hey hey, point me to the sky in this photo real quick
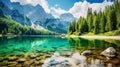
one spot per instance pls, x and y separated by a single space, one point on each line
67 4
76 7
64 4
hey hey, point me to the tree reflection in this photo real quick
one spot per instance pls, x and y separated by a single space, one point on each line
80 44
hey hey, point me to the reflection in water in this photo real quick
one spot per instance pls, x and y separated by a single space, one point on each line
96 46
39 48
37 43
80 44
29 44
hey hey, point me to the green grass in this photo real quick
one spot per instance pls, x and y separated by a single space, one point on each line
110 33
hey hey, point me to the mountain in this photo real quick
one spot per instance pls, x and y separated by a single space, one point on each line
13 6
34 13
14 14
35 16
60 24
56 25
1 13
7 25
5 8
67 17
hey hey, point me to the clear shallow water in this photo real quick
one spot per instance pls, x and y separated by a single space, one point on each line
32 47
32 43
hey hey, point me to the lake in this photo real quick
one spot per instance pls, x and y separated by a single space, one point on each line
32 51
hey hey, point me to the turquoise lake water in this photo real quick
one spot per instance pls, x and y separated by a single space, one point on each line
32 43
47 45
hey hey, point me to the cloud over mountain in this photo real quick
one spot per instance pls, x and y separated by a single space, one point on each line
79 8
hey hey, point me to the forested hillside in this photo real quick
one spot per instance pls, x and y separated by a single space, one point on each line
8 25
98 23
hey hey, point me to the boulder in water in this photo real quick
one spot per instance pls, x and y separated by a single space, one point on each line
109 52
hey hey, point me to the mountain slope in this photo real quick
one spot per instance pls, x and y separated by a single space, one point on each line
35 16
7 25
14 14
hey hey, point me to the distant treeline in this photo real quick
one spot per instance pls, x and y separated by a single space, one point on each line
102 22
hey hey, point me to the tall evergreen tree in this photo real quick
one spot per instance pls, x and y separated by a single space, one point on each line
96 25
102 24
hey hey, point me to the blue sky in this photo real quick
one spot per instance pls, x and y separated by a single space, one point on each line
64 4
67 4
76 7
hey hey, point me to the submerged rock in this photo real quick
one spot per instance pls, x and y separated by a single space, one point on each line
28 63
18 65
109 65
86 52
33 56
66 53
37 62
1 59
58 61
115 61
37 58
76 60
12 58
109 52
21 60
12 64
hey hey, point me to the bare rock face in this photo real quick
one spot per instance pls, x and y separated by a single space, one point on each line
109 52
86 52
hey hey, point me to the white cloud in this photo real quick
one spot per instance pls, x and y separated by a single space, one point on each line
43 3
57 11
56 5
80 8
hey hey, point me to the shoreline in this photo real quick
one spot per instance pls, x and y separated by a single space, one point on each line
75 36
97 37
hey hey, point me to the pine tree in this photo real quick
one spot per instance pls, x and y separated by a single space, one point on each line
102 24
96 25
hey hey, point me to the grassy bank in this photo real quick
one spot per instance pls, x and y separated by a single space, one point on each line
110 33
